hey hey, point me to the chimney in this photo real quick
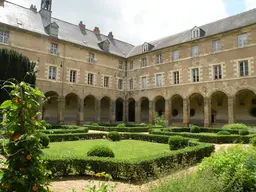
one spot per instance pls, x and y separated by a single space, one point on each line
110 36
33 8
2 3
96 30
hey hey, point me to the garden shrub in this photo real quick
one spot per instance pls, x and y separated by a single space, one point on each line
44 140
223 133
235 126
121 125
95 125
159 120
64 131
195 129
177 142
243 132
114 136
101 151
120 129
234 168
253 141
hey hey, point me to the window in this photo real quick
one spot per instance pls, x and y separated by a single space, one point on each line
90 78
195 51
195 75
145 47
144 82
54 49
176 77
52 73
106 81
144 62
72 76
91 58
217 72
4 36
131 65
120 83
159 80
216 46
131 84
120 66
242 40
158 58
175 55
195 33
244 69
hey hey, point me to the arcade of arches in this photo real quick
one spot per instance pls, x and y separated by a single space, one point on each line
218 109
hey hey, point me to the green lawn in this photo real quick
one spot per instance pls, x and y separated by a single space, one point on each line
124 149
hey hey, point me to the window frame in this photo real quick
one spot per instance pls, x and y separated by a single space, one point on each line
131 65
241 40
120 83
91 57
195 75
90 79
144 62
193 52
51 73
242 71
216 47
144 84
217 74
106 81
159 58
54 48
4 36
145 48
121 65
175 55
195 33
159 82
176 78
73 76
131 86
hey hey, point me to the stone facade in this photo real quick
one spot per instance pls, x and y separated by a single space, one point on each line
185 89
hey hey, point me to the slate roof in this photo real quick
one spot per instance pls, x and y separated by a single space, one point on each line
11 13
32 21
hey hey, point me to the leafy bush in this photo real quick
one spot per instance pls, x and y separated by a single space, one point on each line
253 141
101 151
177 142
159 120
114 136
243 132
95 124
233 167
195 129
121 125
44 140
223 133
235 126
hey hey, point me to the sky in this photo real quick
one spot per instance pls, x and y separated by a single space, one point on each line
139 21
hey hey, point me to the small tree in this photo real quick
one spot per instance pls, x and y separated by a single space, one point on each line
159 120
26 170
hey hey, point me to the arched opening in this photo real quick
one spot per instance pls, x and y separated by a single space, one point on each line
89 109
50 108
245 107
219 108
131 110
144 113
159 105
177 109
196 112
105 109
119 109
71 109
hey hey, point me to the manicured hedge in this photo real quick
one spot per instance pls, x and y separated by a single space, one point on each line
119 129
135 169
75 136
64 131
64 127
202 129
209 138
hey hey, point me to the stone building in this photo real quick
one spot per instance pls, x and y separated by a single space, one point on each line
205 75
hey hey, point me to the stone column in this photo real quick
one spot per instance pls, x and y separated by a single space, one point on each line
61 109
207 111
137 112
186 111
80 112
125 111
167 111
112 111
97 110
231 107
151 111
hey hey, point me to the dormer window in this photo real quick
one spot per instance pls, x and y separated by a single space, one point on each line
197 32
145 48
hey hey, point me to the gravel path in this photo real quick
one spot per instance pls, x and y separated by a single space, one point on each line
80 182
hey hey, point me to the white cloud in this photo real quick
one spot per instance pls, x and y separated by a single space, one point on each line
250 4
136 21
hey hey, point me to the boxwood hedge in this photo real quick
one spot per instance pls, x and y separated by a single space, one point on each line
119 129
63 131
202 130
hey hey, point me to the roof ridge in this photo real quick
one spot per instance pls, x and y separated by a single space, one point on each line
20 6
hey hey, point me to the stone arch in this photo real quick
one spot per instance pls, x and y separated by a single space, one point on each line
177 109
196 106
131 110
105 112
144 109
219 108
245 106
90 112
50 107
71 108
159 103
209 95
119 109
